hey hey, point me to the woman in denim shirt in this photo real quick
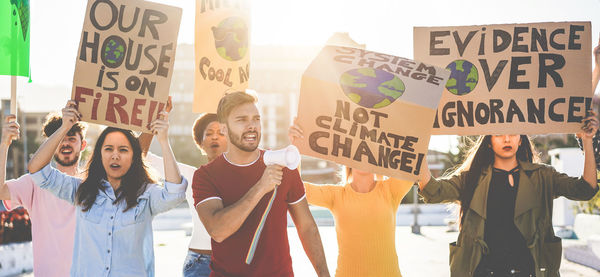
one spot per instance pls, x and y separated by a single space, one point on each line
116 200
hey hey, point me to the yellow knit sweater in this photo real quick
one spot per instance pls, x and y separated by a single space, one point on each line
365 224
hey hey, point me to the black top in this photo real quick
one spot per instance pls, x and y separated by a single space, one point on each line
507 247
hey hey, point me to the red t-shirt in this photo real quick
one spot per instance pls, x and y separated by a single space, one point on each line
229 182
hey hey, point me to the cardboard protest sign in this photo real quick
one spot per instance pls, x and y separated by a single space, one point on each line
125 62
222 51
514 78
368 110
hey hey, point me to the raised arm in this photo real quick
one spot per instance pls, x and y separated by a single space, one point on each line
321 195
145 139
587 134
173 193
10 132
221 222
160 128
399 189
295 131
43 156
439 190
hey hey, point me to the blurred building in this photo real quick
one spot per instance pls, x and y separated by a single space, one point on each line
19 151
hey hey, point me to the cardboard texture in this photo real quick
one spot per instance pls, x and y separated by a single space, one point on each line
368 110
222 51
125 62
512 78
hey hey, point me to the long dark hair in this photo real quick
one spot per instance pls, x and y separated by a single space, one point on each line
133 183
479 157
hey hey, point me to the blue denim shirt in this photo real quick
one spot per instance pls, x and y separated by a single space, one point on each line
108 241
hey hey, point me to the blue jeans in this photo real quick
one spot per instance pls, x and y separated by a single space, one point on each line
197 265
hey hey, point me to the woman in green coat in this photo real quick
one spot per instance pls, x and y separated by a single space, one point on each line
506 206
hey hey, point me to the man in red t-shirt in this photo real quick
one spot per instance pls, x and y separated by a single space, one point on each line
232 192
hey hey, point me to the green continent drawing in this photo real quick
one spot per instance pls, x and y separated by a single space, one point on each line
371 88
463 77
114 52
231 38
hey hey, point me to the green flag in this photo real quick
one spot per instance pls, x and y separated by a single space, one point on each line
14 37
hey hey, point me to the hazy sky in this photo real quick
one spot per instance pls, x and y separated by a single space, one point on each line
384 25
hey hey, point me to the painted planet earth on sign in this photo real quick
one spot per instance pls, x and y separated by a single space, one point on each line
114 52
463 77
371 88
231 38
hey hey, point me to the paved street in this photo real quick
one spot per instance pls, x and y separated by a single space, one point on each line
419 255
425 255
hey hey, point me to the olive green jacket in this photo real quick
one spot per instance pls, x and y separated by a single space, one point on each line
533 215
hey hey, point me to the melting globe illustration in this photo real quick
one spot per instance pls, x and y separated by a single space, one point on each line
463 77
231 38
371 88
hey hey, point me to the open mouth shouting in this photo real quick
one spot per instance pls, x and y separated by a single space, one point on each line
66 156
115 166
250 137
66 151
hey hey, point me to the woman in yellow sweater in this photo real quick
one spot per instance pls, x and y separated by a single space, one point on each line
364 210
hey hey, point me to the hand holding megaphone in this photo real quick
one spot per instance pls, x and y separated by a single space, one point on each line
275 160
287 157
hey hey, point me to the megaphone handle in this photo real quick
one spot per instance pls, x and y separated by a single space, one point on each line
256 237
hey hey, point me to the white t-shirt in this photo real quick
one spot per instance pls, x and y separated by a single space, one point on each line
200 237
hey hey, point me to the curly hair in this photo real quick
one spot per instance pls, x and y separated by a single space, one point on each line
200 126
54 121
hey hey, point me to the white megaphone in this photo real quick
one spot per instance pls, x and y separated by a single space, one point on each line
288 157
